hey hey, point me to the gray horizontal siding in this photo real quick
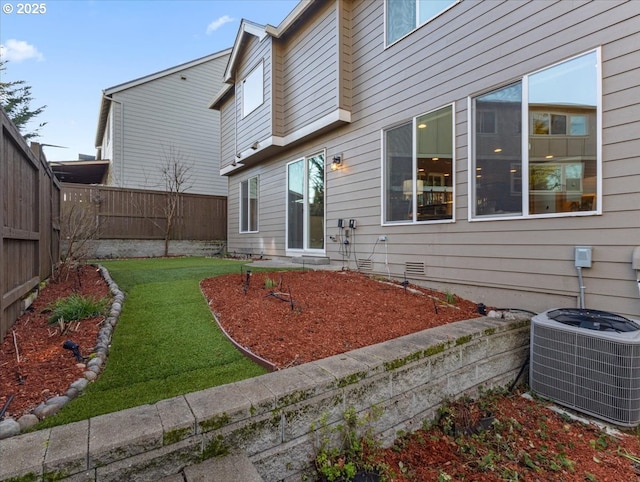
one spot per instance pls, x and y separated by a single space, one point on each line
228 133
310 71
171 113
270 240
258 124
472 48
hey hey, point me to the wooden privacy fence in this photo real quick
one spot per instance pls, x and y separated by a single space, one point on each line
139 214
29 219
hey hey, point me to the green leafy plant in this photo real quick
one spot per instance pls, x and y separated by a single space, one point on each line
450 297
76 307
269 283
348 448
444 477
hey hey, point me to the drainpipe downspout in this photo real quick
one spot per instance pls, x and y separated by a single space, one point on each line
121 143
582 286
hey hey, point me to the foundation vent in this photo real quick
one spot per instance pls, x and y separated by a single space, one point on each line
365 265
414 269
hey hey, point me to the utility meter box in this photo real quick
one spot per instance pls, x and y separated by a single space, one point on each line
582 256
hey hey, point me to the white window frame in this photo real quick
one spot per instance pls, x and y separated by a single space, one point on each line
253 90
305 249
418 23
471 138
414 165
247 206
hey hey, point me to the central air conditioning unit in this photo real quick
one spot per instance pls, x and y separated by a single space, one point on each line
588 360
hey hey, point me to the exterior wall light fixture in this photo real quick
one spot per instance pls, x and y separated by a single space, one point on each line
336 162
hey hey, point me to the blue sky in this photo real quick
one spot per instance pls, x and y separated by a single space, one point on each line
77 48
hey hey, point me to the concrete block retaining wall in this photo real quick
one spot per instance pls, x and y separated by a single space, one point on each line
148 248
270 417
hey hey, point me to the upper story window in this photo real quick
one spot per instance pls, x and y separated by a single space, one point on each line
253 90
249 205
418 169
552 165
403 16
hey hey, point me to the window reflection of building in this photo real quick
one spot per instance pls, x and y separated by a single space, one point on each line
499 152
561 159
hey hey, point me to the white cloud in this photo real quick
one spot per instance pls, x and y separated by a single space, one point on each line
19 50
216 24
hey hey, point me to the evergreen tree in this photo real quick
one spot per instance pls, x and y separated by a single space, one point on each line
15 99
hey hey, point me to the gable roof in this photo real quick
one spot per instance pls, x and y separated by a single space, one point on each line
261 31
105 102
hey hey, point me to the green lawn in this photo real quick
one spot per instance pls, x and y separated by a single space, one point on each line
166 342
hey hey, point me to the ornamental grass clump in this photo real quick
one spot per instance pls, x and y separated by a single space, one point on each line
76 307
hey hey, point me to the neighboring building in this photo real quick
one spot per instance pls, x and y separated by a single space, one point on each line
484 141
147 122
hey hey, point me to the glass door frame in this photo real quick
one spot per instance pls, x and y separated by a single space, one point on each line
306 216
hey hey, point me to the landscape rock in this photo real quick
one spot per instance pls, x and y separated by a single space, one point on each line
27 421
94 362
9 428
60 400
80 384
72 393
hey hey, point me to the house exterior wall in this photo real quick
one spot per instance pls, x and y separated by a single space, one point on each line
167 117
258 124
310 71
112 136
471 49
228 133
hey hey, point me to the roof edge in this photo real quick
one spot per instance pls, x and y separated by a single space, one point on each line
220 97
260 31
165 72
290 19
108 92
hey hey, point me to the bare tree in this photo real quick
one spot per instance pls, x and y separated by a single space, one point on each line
176 175
78 225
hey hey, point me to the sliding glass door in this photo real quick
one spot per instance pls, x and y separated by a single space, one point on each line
305 204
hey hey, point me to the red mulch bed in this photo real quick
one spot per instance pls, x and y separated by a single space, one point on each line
41 368
525 441
295 317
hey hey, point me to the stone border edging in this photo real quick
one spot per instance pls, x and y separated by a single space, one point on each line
10 427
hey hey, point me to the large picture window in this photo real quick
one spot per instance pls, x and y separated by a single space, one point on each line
249 205
253 90
546 126
418 169
403 16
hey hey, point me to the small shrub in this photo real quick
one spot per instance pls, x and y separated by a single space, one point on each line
76 307
269 283
354 450
450 297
